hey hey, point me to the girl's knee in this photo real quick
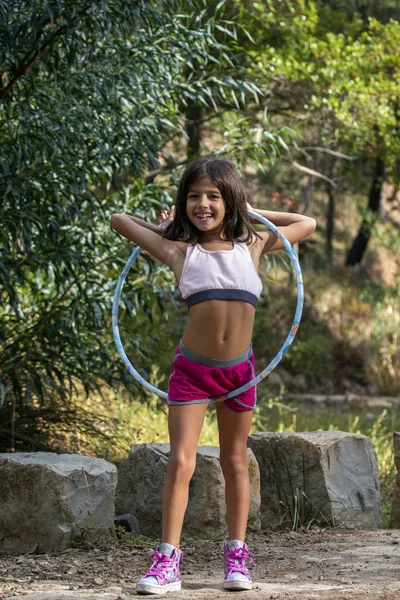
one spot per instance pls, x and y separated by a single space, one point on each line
181 465
234 463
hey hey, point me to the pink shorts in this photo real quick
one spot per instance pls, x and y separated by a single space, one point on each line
196 379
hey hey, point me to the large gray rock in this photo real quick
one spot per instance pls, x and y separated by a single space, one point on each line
141 479
48 499
395 516
140 482
327 477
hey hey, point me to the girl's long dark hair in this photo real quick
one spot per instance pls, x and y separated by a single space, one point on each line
227 179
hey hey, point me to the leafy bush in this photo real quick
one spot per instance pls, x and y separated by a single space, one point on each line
90 94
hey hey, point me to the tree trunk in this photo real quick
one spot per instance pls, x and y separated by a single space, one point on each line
330 222
193 128
360 243
330 214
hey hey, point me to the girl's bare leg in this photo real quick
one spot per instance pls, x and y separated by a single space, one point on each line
184 424
234 428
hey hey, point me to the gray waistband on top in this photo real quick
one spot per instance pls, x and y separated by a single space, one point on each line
214 362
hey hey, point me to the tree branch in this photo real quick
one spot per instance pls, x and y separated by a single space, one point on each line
313 173
26 68
329 151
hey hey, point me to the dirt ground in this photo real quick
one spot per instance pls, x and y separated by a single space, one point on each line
313 565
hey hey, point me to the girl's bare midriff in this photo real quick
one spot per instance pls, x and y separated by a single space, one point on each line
219 329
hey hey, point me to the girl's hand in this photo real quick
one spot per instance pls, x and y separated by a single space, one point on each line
252 219
167 217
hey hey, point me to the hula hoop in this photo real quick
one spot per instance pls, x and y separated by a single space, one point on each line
286 344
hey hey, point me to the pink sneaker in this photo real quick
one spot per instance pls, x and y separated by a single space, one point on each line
237 576
164 574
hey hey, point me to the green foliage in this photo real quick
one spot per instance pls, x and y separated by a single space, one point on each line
312 356
90 93
93 106
349 78
341 10
383 350
78 105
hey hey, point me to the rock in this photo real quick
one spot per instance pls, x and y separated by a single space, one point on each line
395 516
49 499
342 401
73 570
325 477
206 512
254 520
380 402
128 523
141 479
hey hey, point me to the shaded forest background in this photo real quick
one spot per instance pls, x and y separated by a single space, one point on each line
102 106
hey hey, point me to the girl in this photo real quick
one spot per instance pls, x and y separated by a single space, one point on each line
210 245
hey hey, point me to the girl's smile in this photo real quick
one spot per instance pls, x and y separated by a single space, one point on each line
205 206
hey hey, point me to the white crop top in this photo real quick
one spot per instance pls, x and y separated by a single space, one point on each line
219 274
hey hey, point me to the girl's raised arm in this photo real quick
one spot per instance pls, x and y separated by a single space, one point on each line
146 235
293 226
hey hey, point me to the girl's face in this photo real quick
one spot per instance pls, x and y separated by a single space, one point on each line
205 206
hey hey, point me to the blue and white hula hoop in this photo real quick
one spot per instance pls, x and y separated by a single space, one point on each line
286 344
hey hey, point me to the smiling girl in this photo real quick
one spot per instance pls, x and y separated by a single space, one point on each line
209 243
